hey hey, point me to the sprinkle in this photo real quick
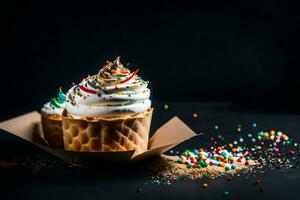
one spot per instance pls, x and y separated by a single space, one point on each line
127 79
204 185
229 178
166 106
239 129
195 115
216 127
254 125
226 194
73 83
257 182
86 89
295 144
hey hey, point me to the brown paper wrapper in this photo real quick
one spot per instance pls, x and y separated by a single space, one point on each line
170 134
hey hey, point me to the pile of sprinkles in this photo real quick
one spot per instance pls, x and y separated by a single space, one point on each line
253 154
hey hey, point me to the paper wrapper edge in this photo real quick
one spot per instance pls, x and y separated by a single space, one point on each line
170 134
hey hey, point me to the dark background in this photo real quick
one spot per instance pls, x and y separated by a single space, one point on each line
246 53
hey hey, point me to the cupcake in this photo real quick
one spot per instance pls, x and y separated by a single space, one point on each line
109 111
51 114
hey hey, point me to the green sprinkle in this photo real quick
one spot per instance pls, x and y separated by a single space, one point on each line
205 164
166 106
55 103
226 194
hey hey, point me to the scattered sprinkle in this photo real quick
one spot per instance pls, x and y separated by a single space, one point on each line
257 182
226 194
166 106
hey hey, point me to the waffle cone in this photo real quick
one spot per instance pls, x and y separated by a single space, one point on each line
107 134
52 129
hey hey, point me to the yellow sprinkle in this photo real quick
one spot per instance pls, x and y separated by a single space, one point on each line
266 134
205 185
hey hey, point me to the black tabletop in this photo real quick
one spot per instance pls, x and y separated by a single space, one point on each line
28 172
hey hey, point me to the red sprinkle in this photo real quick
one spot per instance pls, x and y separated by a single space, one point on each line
257 182
130 77
87 90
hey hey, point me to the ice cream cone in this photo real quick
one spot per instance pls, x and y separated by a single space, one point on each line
52 120
107 134
52 129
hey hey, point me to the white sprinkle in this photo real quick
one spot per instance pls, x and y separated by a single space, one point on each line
295 144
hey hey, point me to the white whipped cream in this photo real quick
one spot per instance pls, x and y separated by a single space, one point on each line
113 90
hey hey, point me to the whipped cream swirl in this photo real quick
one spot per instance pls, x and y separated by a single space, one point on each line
113 90
56 106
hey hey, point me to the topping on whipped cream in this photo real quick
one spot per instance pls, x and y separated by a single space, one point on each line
115 89
56 105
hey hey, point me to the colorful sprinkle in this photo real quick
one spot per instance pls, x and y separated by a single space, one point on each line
226 194
166 106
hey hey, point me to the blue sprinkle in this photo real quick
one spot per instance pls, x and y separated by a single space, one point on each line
224 154
254 125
